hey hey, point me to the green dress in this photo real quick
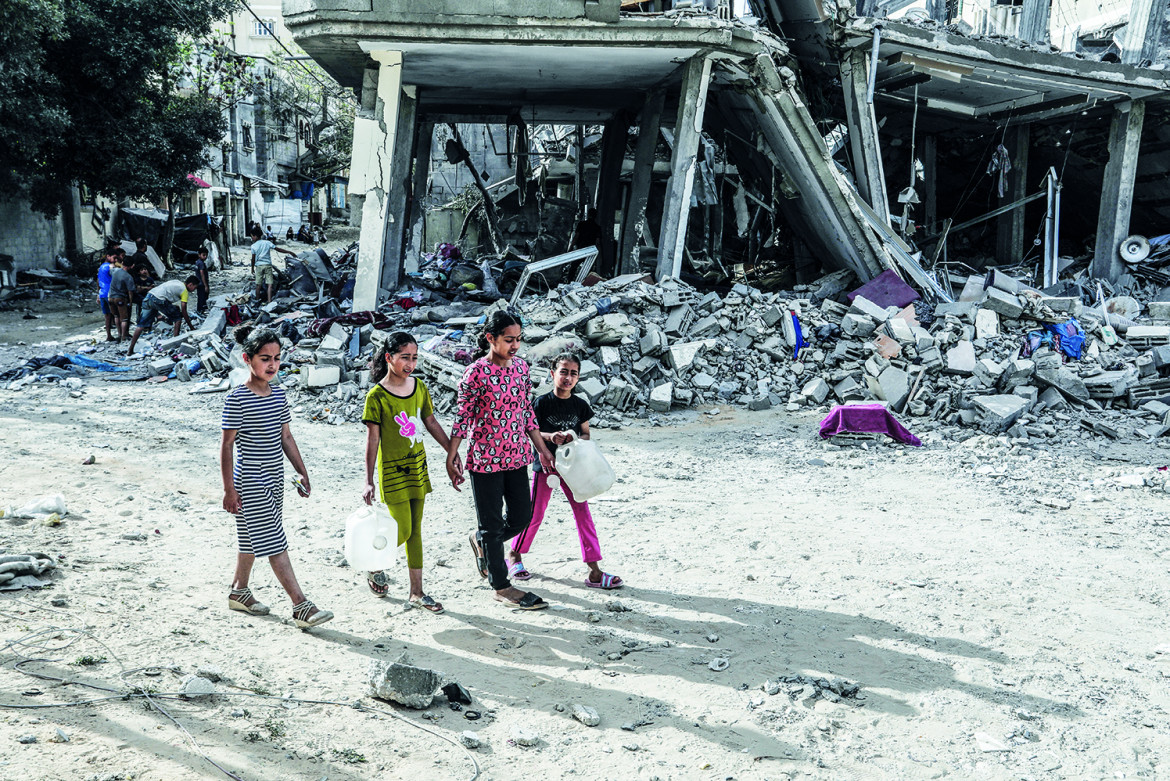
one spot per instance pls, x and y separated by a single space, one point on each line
402 459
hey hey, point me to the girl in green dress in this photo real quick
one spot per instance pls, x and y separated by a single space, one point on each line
398 408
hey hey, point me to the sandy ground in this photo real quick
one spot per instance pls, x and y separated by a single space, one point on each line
992 636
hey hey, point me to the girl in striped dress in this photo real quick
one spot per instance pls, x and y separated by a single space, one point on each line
256 419
398 408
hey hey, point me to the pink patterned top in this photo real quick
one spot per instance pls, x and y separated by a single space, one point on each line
495 413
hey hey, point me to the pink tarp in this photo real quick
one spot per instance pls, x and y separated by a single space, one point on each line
866 419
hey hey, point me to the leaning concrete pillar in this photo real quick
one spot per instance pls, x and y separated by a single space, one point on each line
398 194
1125 135
1009 240
371 174
687 129
863 133
424 138
649 121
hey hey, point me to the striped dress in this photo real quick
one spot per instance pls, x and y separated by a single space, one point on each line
259 467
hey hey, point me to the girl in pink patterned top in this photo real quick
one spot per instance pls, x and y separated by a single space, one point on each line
495 412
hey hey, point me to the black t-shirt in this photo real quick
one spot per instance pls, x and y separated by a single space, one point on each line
554 414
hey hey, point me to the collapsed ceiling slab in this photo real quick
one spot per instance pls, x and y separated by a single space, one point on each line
546 62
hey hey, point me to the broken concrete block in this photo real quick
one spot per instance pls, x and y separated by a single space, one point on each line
619 394
588 369
214 323
987 372
856 324
773 315
400 681
961 358
1157 408
1065 381
922 338
900 330
1068 306
1161 357
321 376
645 365
999 412
679 320
1015 372
887 347
1029 393
661 397
682 355
1145 366
708 326
172 343
610 356
330 342
591 388
931 357
703 381
848 389
1051 398
964 310
161 366
1003 303
1159 310
986 324
895 386
653 342
1111 384
816 389
609 329
863 305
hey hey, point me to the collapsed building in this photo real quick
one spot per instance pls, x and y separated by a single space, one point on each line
803 137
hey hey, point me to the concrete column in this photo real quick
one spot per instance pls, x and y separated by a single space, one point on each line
930 185
419 186
1009 239
1125 135
374 131
863 133
398 194
1034 21
1143 34
649 121
687 128
609 188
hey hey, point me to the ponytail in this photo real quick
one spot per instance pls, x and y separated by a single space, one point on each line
379 368
496 323
252 340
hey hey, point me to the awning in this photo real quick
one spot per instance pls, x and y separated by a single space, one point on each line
198 182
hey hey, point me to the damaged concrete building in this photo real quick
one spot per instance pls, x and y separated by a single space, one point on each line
797 136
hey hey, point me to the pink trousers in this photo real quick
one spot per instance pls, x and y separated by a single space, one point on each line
541 493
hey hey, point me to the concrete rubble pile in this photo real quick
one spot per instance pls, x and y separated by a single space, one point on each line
650 348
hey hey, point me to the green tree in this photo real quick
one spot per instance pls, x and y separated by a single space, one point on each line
301 94
96 93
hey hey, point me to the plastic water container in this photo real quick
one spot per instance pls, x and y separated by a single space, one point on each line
371 538
584 469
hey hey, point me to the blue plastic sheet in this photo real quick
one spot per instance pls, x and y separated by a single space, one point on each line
90 363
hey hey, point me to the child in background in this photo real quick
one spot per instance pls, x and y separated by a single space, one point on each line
561 417
397 409
495 411
256 419
203 289
105 275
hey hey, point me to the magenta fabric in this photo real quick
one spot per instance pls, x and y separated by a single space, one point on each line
495 413
541 493
866 419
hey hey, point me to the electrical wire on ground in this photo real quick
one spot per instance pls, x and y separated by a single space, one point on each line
39 642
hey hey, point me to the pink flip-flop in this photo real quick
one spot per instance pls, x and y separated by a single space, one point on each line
607 582
518 571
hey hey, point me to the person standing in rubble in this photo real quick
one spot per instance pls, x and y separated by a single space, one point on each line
256 418
495 412
562 417
121 293
262 262
398 408
203 289
105 275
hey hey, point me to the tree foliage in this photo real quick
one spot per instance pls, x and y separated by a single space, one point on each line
302 95
93 92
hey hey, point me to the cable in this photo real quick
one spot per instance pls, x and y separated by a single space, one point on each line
33 642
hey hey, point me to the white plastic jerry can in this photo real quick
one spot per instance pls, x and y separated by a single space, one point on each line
371 538
584 469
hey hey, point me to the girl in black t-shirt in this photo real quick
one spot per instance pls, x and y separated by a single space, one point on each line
561 416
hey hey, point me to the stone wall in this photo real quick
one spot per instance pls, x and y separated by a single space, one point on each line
27 236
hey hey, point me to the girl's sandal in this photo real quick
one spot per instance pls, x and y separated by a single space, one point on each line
518 571
307 615
426 602
480 561
607 582
241 599
378 583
